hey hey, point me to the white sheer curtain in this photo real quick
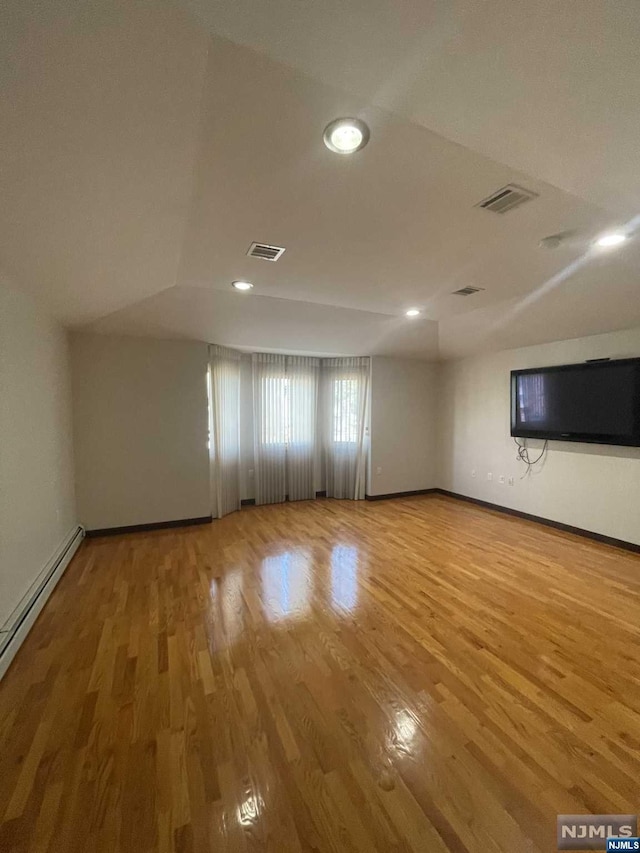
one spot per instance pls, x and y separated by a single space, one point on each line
270 427
302 404
285 395
224 429
345 395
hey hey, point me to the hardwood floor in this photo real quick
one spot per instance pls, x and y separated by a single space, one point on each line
415 674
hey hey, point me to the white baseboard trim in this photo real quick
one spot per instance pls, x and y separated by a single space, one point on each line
14 632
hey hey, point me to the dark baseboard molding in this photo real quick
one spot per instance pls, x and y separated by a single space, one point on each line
547 522
516 513
143 528
401 494
252 501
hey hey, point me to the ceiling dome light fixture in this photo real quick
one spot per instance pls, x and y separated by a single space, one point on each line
346 135
607 241
412 312
241 285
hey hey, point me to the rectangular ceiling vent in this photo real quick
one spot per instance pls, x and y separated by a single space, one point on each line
507 198
467 291
264 252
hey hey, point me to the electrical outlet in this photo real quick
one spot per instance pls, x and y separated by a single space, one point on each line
473 473
489 476
502 479
379 470
511 481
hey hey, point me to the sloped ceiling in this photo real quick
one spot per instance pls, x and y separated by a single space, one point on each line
147 145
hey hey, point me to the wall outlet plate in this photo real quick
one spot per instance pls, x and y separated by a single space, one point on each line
489 476
502 479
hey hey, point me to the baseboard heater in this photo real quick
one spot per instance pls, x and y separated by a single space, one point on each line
19 623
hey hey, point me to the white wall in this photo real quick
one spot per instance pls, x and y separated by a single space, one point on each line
594 487
141 430
141 434
403 425
37 504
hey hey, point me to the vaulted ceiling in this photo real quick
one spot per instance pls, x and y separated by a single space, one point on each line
145 146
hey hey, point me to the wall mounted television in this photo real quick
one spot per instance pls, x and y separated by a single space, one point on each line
596 402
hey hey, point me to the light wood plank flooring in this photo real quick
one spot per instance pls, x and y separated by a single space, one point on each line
415 674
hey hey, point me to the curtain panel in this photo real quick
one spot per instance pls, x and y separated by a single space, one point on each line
302 446
345 400
224 429
269 427
309 418
285 394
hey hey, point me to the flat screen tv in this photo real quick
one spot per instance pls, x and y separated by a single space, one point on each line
597 402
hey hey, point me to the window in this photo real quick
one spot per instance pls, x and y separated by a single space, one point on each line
309 414
276 422
345 410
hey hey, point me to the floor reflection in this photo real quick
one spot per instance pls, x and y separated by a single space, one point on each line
344 577
228 592
285 583
250 809
402 738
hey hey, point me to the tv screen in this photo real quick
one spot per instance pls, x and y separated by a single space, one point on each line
594 402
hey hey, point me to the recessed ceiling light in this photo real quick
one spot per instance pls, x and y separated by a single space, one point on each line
241 285
346 135
609 240
412 312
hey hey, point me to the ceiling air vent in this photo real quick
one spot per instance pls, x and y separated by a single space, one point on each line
266 253
467 291
507 198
